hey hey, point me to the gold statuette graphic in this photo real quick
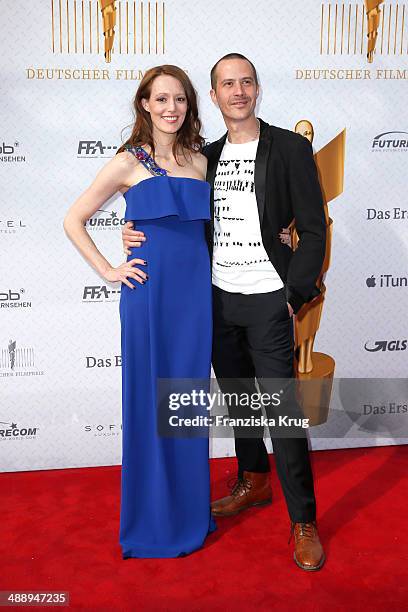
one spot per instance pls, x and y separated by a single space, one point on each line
108 10
317 369
373 21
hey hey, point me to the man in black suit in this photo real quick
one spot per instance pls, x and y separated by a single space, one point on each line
262 177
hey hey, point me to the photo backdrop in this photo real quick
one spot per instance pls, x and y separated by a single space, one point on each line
63 110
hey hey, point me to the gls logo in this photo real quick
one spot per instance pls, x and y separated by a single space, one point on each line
387 345
94 148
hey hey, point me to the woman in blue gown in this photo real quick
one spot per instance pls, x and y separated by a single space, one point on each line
165 311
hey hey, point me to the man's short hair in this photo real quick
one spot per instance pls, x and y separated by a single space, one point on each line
227 57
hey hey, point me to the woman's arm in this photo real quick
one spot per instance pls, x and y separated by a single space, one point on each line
113 176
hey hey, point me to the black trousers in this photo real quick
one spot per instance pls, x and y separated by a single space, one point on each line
253 338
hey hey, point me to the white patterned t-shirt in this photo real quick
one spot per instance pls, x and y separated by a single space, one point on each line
240 262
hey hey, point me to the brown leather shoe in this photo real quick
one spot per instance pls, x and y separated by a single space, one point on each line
253 489
308 554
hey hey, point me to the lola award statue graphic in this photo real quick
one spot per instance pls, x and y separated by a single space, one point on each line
108 10
315 369
373 22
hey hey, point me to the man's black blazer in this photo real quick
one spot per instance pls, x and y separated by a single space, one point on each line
286 188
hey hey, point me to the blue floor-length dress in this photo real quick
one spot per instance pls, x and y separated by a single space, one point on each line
166 332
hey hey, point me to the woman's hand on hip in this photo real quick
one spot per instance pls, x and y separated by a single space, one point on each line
127 270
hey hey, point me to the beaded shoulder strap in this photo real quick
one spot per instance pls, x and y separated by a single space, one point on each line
146 160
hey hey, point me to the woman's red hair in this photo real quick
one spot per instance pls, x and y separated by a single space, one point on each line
188 137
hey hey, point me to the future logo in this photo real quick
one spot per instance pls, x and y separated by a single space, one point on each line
390 141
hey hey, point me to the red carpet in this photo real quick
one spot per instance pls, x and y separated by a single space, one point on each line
60 532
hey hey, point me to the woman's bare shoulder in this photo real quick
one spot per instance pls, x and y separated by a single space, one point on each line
121 168
199 162
126 158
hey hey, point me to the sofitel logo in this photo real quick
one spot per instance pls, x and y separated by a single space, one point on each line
11 431
390 141
386 345
100 293
104 430
11 226
17 361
